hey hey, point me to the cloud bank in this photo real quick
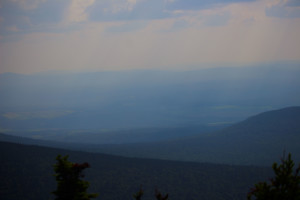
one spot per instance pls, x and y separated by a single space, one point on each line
42 35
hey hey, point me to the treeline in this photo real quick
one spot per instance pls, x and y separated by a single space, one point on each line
27 173
284 186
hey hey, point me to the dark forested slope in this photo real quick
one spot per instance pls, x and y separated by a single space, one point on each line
26 173
259 140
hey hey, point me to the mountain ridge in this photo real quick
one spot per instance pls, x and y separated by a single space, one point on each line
258 140
248 142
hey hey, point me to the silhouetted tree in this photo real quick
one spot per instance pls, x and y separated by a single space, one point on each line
285 185
69 184
139 194
158 195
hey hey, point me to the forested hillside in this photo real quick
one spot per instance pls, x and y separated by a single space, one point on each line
259 140
26 173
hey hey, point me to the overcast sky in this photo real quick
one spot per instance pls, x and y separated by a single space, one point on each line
91 35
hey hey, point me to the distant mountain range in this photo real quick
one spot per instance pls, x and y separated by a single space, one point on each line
259 140
159 119
138 135
26 173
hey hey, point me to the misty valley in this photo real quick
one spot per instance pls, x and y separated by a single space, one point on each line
204 134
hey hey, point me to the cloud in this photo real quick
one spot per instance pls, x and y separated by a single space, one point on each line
284 9
93 48
105 35
13 29
127 27
129 5
108 10
77 10
30 16
293 3
218 19
57 15
116 10
199 5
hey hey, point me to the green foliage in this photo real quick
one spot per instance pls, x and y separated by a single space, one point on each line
69 184
285 186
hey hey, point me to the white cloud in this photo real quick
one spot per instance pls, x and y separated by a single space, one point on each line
77 11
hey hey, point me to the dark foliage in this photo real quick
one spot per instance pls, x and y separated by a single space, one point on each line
70 185
158 195
256 141
285 185
139 194
26 173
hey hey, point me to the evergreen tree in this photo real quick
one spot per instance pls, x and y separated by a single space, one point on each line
158 195
69 184
285 185
139 194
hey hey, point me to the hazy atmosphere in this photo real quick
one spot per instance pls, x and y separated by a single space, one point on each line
161 99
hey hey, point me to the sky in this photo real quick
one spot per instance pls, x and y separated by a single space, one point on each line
93 35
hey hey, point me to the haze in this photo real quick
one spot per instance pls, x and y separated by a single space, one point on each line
133 63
